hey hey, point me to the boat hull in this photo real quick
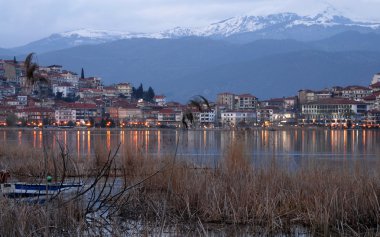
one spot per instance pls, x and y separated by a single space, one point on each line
20 190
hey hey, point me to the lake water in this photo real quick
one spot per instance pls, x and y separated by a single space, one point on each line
207 145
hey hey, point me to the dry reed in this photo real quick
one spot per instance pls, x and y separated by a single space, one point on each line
323 197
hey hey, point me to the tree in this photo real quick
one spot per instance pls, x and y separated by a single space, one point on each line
91 121
149 94
58 95
32 75
70 124
23 122
140 92
11 120
82 74
199 103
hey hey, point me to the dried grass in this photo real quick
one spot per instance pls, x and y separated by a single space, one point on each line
325 197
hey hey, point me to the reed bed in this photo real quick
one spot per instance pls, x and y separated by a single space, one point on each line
319 197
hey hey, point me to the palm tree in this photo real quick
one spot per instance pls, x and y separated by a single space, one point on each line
33 77
200 103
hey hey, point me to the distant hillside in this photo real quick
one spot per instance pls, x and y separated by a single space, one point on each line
187 66
349 41
6 54
283 74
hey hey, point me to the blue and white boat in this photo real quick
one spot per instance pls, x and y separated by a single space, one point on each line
24 190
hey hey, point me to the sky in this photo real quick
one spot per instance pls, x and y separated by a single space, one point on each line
24 21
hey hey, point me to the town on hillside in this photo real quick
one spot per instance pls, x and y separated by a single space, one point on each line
66 99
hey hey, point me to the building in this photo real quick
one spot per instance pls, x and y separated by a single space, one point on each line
64 115
36 115
160 100
83 111
376 78
57 76
283 117
22 100
375 87
67 90
355 92
87 93
126 113
265 114
238 118
124 89
331 109
11 71
91 82
372 119
245 102
7 91
205 118
227 100
306 96
169 117
278 103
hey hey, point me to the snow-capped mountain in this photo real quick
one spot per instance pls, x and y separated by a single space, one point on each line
269 24
237 29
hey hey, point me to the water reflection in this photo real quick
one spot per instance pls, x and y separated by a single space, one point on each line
203 145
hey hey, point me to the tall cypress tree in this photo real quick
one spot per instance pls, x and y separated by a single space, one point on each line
150 94
82 74
140 92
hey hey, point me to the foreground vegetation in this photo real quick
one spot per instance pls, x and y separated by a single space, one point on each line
135 194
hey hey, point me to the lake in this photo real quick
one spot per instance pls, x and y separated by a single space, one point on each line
206 145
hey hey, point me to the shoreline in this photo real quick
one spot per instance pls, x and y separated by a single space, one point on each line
274 128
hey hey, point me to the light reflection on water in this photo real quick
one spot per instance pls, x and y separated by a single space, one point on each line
207 144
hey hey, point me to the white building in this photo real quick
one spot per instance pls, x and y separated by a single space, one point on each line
66 89
333 109
235 118
205 118
125 89
169 117
65 115
376 78
22 99
356 92
160 100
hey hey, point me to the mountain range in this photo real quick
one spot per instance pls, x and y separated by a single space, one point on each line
241 29
268 56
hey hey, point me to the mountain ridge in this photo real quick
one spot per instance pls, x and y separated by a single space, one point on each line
241 29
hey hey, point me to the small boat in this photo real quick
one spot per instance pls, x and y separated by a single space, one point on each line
23 190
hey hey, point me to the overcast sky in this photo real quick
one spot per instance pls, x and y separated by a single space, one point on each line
23 21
